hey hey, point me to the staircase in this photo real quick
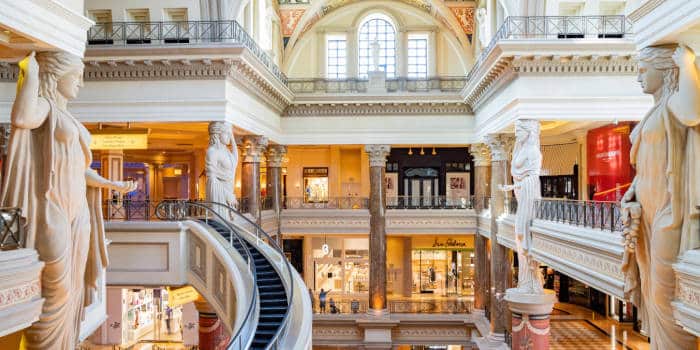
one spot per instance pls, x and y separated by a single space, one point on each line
273 297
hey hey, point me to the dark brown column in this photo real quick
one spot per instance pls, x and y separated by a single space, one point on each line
482 272
377 229
253 148
501 147
4 142
275 157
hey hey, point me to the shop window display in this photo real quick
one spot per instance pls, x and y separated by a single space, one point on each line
315 185
148 317
443 272
342 266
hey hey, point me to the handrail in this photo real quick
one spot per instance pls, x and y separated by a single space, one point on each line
555 27
430 202
177 211
178 33
592 214
274 245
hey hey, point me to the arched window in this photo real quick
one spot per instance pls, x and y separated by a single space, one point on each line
377 27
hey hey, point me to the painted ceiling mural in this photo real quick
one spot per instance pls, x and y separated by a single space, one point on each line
465 16
290 18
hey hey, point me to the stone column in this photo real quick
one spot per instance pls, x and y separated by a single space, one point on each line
377 229
212 334
275 157
112 168
482 177
501 148
252 148
407 268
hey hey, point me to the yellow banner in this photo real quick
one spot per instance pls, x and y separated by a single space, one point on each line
181 296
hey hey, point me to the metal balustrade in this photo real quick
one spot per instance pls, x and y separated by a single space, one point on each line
330 203
179 33
592 214
11 228
402 84
419 306
429 202
555 28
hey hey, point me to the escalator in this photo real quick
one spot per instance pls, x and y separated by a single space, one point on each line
273 297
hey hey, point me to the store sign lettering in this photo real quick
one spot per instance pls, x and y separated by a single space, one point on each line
181 296
449 243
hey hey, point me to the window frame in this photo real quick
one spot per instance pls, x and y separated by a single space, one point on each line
388 52
339 53
415 69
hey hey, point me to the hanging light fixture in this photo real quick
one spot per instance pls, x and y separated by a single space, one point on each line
422 153
325 248
410 151
434 153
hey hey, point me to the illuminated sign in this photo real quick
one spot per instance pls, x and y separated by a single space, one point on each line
181 296
119 139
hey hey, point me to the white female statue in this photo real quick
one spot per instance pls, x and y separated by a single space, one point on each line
49 178
525 168
221 167
659 209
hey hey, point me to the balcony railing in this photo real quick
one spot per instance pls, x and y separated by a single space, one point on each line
339 86
429 202
331 203
554 28
11 228
179 33
592 214
129 210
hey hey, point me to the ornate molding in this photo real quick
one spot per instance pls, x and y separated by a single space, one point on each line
686 306
418 221
250 79
275 155
377 154
378 109
253 148
644 10
481 154
171 69
509 67
501 146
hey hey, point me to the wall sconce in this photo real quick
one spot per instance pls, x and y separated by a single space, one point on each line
422 153
410 151
434 153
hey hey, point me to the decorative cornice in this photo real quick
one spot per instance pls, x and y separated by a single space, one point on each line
130 70
501 146
509 67
481 154
253 148
379 109
377 154
644 10
275 155
250 79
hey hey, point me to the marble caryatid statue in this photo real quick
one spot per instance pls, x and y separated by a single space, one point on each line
48 176
659 209
482 21
221 167
525 168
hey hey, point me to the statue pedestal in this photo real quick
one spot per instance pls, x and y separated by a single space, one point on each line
377 81
530 318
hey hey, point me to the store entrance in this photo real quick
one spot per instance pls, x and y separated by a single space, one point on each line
149 317
421 186
444 272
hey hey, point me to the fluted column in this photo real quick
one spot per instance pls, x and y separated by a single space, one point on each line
501 146
252 148
377 229
482 176
275 157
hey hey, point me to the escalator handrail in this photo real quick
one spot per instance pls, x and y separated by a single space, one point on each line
182 204
275 246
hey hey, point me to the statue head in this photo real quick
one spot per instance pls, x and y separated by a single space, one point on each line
60 73
657 70
220 133
527 132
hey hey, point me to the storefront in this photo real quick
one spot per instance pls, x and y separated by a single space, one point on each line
440 266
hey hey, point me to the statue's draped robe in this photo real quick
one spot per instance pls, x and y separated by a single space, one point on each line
525 168
667 186
221 170
45 177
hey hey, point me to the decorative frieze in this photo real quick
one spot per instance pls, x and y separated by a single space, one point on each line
427 221
377 109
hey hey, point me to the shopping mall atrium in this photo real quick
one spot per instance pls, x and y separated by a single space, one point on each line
346 174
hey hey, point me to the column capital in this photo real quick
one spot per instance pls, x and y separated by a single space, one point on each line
377 154
501 146
253 148
481 154
275 155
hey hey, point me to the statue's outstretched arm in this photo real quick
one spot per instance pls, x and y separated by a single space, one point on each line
29 110
93 179
685 103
